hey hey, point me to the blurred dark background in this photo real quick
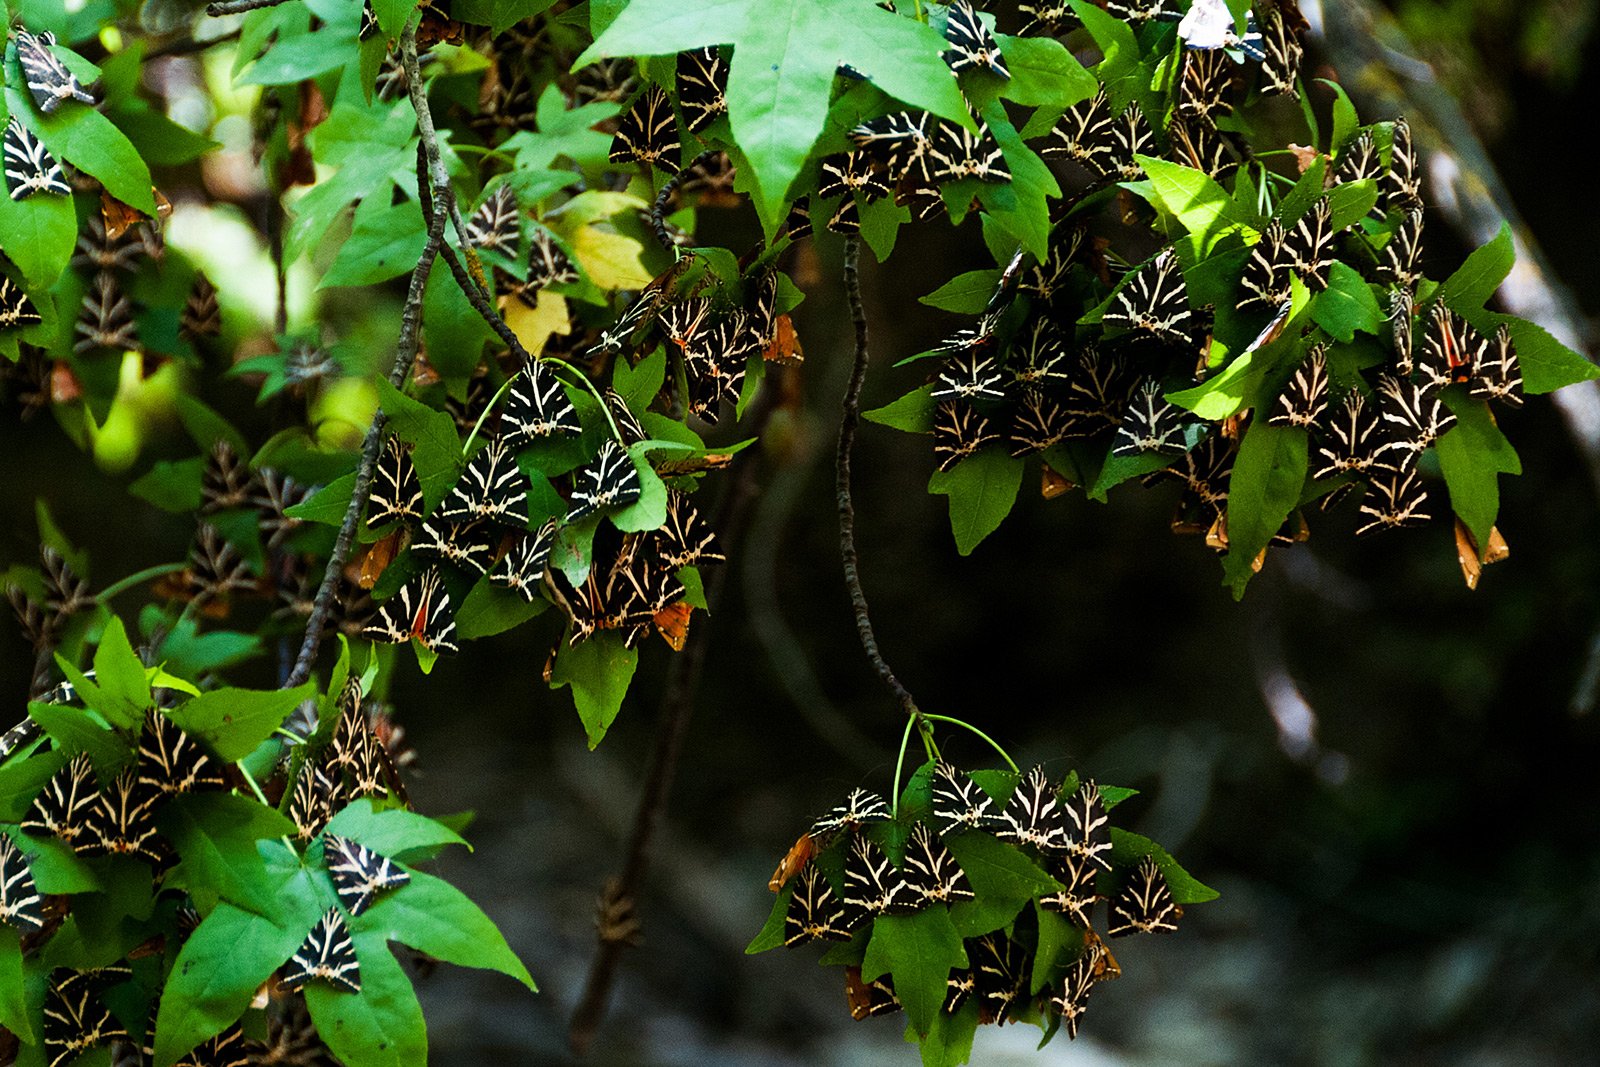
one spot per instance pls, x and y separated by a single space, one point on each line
1389 778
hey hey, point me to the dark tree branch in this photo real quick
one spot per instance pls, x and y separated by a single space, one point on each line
617 926
405 356
658 209
846 504
238 7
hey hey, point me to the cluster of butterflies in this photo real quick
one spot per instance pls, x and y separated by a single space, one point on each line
481 528
1070 834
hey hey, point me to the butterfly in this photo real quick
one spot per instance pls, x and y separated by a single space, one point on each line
1155 300
867 999
1144 905
1077 895
1402 312
1358 160
123 820
1451 349
1000 970
201 315
1350 441
1151 424
973 47
970 374
1049 276
1088 828
396 494
1205 472
548 264
1084 134
958 987
74 1019
493 488
1203 93
469 545
1100 388
1040 422
1199 144
360 874
172 762
858 809
30 168
1309 247
873 885
959 431
798 222
327 954
1047 18
1497 375
898 141
844 173
227 1049
15 307
610 481
685 539
420 610
1032 816
49 80
1414 417
1280 70
648 134
537 407
1142 11
311 803
957 152
1400 261
21 906
932 872
814 913
702 87
106 320
1392 501
494 226
1072 1001
64 808
1305 398
226 481
1401 186
959 803
1046 357
523 566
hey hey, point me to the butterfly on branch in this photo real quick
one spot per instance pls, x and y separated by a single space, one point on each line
226 482
172 762
686 539
846 173
496 224
1033 816
64 806
420 610
327 955
869 999
1144 905
1358 160
537 407
931 872
1305 398
702 82
899 142
29 166
1041 422
522 568
49 80
122 821
469 545
548 264
873 885
1077 895
1207 79
492 488
1100 389
1400 262
1199 144
648 133
972 46
396 494
858 809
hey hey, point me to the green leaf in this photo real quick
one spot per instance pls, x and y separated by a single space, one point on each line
1471 286
454 332
87 139
1118 469
393 832
437 451
1347 305
172 486
498 15
880 225
912 413
650 510
382 1026
1547 364
1115 40
328 504
434 917
1127 849
771 935
15 1014
1194 198
785 55
77 730
1349 202
982 490
40 233
639 384
386 242
206 427
1473 454
1268 475
1044 73
599 671
489 609
21 780
392 14
965 294
919 950
124 693
215 835
232 722
1002 877
56 868
1020 207
949 1042
1345 119
293 59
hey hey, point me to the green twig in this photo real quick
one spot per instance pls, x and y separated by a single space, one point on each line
899 765
137 578
968 726
494 402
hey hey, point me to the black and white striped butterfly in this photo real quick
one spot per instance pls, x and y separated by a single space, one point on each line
1400 262
959 803
1305 398
30 168
1280 70
172 762
1048 18
932 872
970 374
972 46
1451 349
522 568
106 319
1197 143
1413 416
1041 422
1084 133
610 481
469 545
1393 500
1205 472
898 141
311 802
1000 973
1088 827
1402 316
873 885
1142 11
686 539
1071 1001
1309 246
396 494
814 912
869 999
844 173
957 152
858 809
537 407
1101 386
1401 186
21 906
421 610
1350 441
201 315
1203 93
1076 897
548 264
75 1020
495 226
327 955
227 481
15 307
959 431
1358 160
1155 300
648 133
1032 816
64 808
492 488
1144 905
1045 355
122 821
49 80
702 87
1498 375
360 874
1152 423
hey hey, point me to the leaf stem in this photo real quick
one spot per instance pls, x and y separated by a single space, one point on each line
583 379
123 585
494 401
968 726
899 766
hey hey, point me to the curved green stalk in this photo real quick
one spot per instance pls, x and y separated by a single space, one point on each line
968 726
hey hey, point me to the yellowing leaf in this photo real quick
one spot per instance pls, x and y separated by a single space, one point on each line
533 326
610 259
